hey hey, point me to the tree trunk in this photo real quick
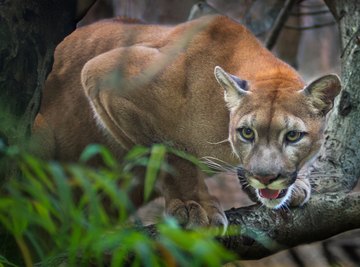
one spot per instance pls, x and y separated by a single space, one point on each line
29 33
337 167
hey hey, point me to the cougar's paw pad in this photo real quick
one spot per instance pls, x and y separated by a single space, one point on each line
197 215
191 214
177 209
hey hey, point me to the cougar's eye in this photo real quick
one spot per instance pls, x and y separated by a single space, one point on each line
294 136
247 134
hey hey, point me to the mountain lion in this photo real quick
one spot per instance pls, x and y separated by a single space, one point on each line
207 87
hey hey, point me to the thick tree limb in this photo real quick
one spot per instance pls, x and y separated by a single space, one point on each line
264 232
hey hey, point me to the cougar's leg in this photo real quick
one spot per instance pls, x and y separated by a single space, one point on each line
187 197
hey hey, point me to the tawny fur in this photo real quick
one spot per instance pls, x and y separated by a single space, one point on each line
123 84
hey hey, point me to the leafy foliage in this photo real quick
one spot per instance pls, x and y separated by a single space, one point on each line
61 213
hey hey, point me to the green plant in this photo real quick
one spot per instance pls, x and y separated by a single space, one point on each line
56 213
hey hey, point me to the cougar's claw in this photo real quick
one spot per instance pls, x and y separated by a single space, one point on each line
192 214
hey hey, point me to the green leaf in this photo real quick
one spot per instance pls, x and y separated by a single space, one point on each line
47 198
38 168
63 188
194 160
95 149
156 159
45 216
7 263
136 152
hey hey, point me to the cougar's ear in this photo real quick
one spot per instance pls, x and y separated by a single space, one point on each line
234 87
322 92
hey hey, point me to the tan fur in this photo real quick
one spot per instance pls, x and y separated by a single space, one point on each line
121 85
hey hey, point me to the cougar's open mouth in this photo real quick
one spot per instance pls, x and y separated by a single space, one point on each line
274 199
272 194
271 198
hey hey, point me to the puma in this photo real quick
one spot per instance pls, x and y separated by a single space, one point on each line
207 87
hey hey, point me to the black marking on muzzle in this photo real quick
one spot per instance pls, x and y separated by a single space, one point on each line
241 176
240 173
249 190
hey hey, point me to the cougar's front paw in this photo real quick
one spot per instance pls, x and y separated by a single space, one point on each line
300 193
192 214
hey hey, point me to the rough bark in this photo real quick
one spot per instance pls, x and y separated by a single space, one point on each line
29 32
337 167
263 232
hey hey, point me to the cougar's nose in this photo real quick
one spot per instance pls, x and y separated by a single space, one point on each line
266 179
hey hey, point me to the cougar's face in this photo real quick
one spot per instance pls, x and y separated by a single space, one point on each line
275 128
273 142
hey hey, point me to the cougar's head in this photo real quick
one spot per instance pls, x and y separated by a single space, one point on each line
275 129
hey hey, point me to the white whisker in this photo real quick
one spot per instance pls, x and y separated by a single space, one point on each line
220 142
218 165
213 159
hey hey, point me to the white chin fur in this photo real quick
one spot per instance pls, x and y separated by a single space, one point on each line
278 202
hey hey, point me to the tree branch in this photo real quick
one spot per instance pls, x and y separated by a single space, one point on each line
323 217
311 27
278 24
310 13
264 232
